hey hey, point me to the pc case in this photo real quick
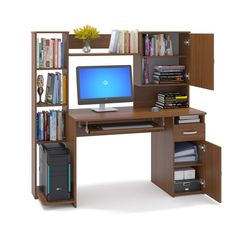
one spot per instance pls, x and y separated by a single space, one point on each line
55 171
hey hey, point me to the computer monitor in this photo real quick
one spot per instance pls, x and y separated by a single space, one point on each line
104 84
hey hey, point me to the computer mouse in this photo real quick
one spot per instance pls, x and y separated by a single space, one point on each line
155 109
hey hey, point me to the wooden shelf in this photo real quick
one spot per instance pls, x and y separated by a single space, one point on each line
49 105
162 85
189 193
187 164
50 141
167 56
97 130
52 68
101 54
45 202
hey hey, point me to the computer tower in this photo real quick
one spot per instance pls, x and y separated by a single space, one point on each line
55 171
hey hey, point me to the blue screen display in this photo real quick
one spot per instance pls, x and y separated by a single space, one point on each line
105 82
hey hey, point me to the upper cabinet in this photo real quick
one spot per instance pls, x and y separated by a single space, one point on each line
202 60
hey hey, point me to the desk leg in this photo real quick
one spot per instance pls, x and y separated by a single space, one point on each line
162 162
71 127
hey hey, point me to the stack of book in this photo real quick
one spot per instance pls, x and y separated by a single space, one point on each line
124 42
50 53
188 119
56 88
185 152
168 74
158 45
171 100
50 125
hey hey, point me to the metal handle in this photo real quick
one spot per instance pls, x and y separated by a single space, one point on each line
189 132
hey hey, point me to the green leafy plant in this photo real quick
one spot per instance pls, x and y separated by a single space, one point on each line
86 32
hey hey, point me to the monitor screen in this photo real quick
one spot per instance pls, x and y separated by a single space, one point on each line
104 84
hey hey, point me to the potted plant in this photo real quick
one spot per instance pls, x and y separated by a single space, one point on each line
86 33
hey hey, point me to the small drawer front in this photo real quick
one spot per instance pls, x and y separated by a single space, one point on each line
189 132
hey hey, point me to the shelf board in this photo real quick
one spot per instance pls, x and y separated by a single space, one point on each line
167 56
50 141
102 54
187 164
45 202
52 68
49 105
162 85
189 193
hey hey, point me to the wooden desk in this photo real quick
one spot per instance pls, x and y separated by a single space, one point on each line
84 122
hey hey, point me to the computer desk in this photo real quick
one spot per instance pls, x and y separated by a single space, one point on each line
164 133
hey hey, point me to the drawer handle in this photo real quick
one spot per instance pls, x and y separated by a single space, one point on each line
189 132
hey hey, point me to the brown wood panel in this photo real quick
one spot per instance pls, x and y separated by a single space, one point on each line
102 42
33 124
189 132
137 70
129 113
211 160
162 158
100 54
202 60
71 127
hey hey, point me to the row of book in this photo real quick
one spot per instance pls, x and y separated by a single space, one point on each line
171 100
124 41
188 119
171 74
56 88
50 125
50 53
158 45
185 152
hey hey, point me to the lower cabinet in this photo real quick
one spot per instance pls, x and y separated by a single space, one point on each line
202 175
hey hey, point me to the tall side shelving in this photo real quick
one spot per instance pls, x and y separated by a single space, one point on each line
36 70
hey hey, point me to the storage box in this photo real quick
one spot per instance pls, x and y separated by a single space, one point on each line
189 173
187 186
179 174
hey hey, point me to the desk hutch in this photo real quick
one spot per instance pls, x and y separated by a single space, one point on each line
196 52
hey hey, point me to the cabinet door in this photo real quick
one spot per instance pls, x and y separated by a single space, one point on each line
211 159
202 60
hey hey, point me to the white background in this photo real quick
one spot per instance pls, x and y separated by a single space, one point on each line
115 196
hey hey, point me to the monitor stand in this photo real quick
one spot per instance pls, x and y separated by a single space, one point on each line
102 108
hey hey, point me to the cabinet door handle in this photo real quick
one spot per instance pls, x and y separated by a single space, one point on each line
189 132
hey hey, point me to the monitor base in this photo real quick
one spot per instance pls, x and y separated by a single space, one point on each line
102 108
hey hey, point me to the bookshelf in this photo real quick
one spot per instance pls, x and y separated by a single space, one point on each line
37 36
194 51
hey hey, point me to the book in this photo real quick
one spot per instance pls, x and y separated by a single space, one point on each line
123 41
189 117
190 158
49 53
185 149
186 121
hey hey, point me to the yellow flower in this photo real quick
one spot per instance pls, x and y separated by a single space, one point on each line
86 32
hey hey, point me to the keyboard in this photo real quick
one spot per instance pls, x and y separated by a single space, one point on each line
125 126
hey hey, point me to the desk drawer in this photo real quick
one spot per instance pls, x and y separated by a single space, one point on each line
189 132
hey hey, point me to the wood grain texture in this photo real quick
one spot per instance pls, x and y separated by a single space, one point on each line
162 158
202 60
183 132
33 125
71 127
212 170
129 113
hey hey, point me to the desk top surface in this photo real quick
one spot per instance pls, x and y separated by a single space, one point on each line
129 113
